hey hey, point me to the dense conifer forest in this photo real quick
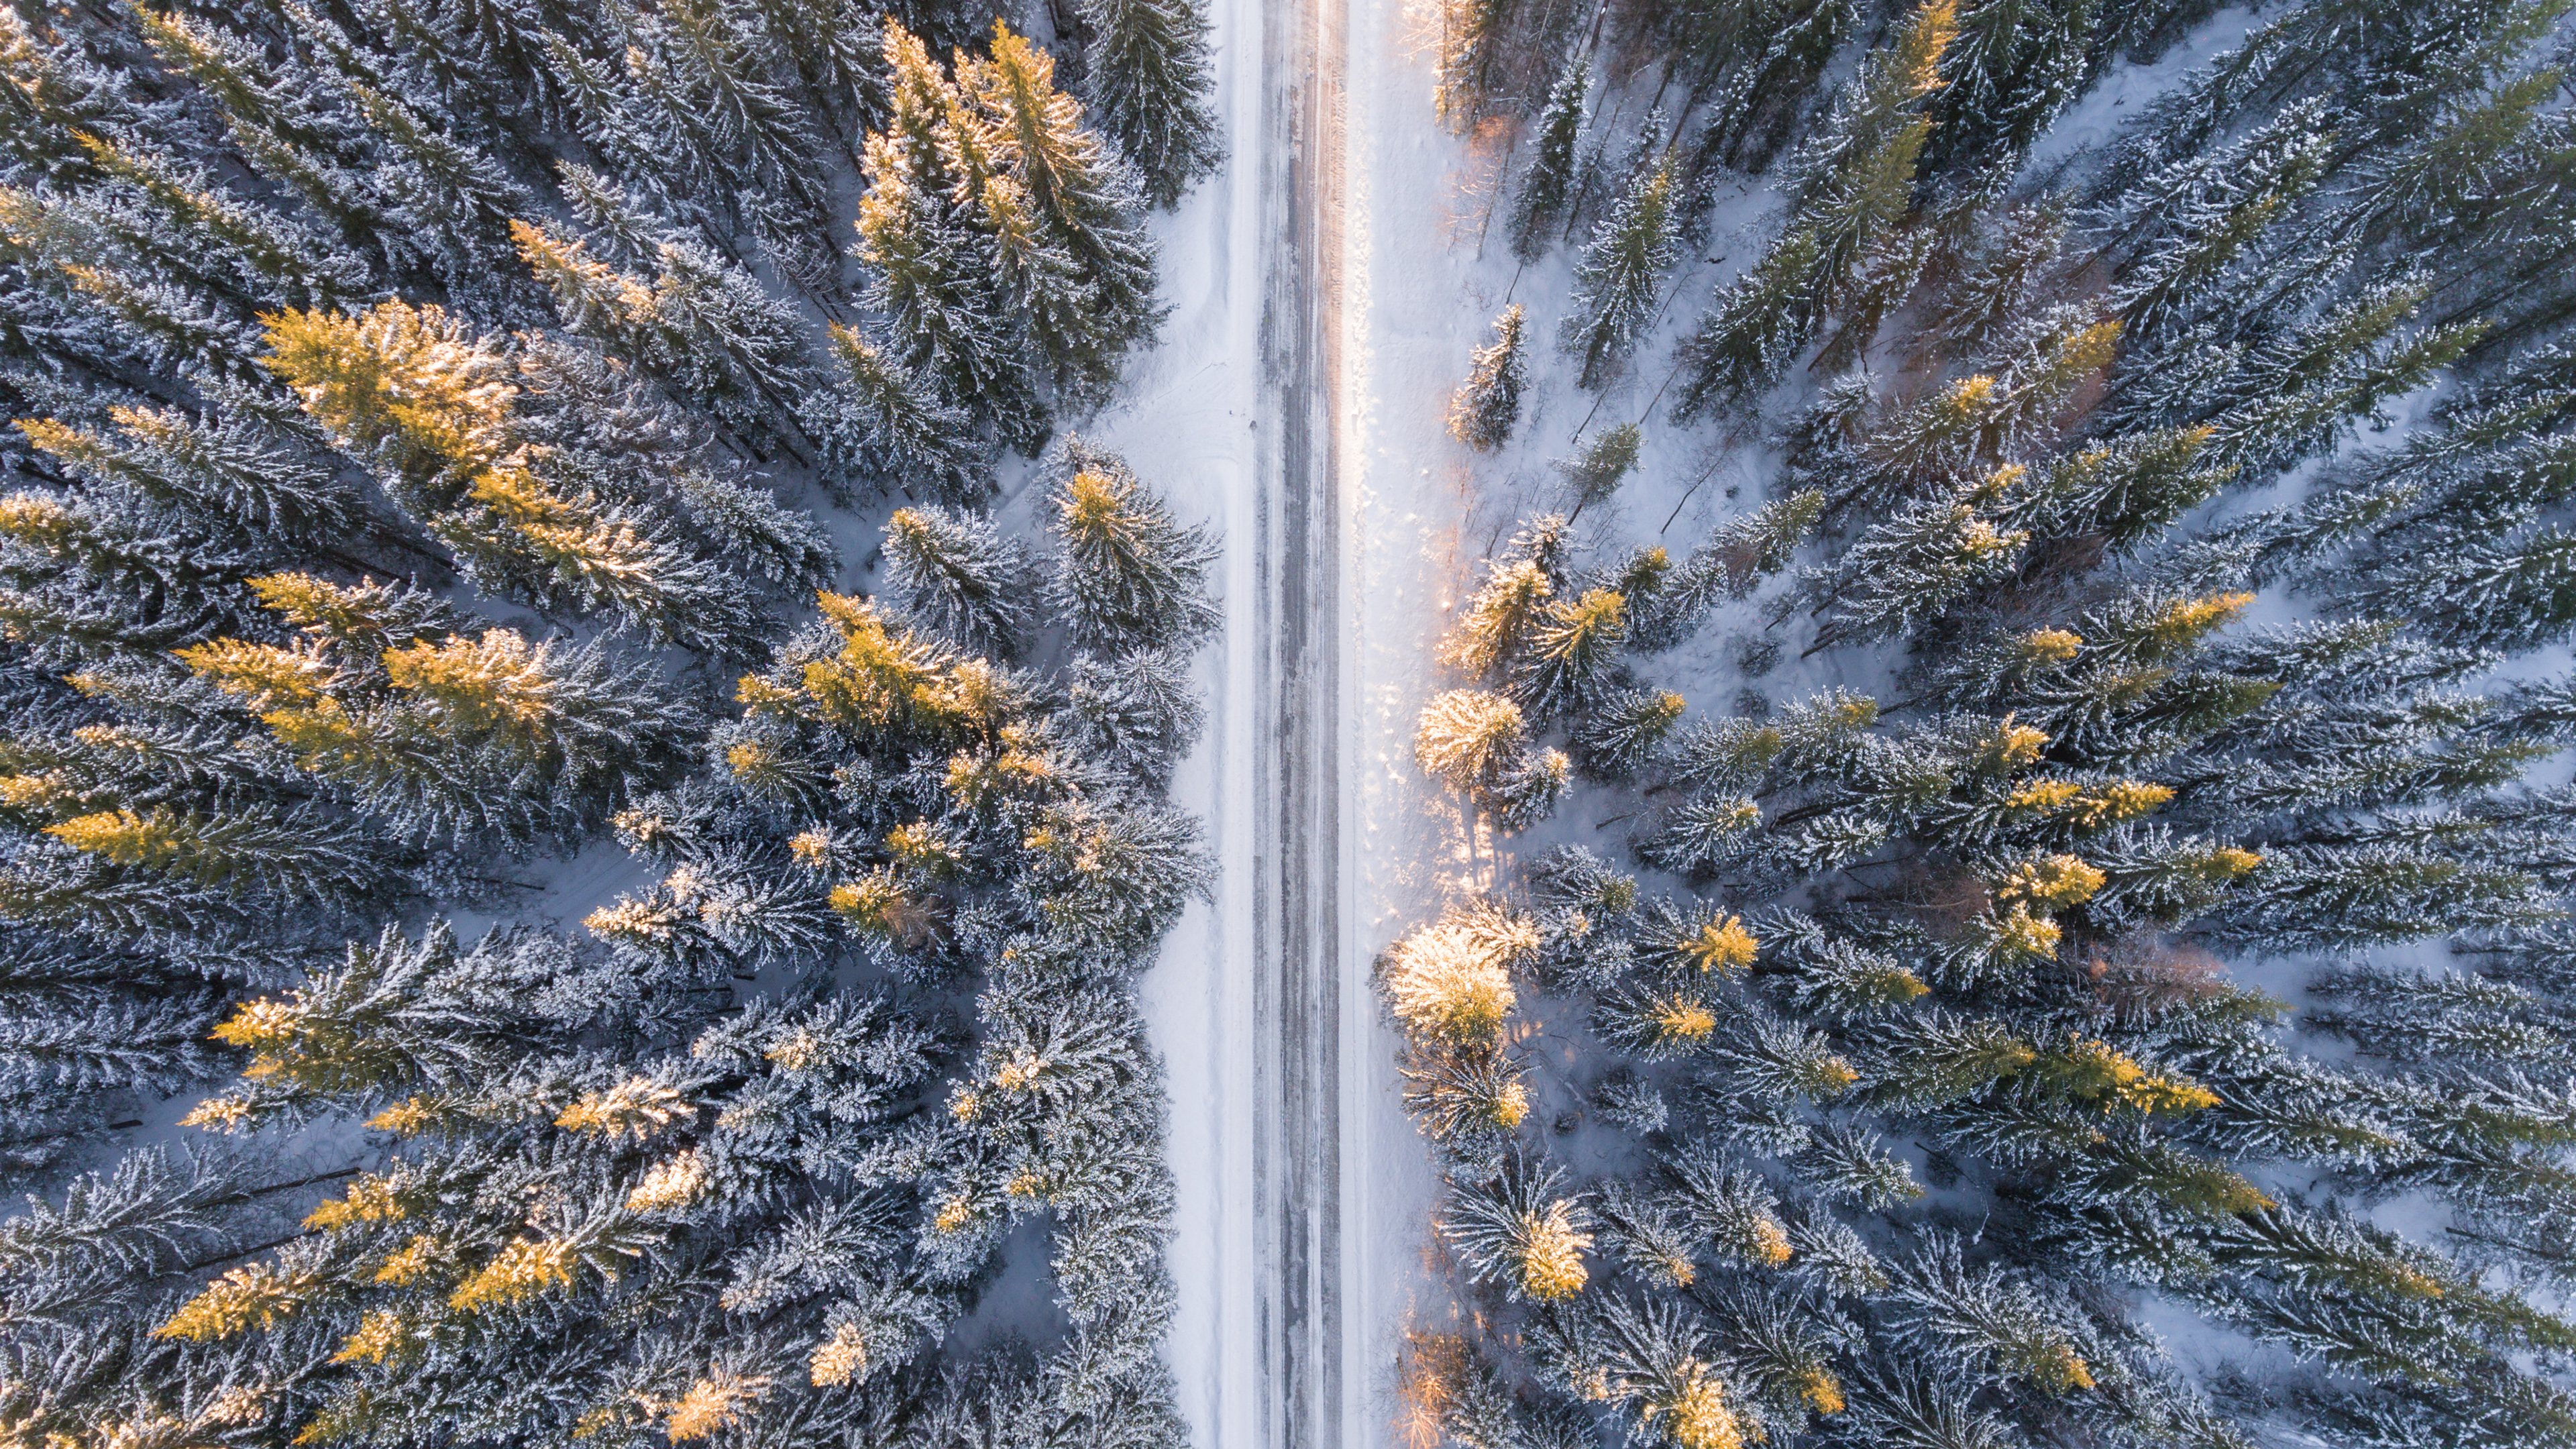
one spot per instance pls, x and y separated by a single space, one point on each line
2040 916
2105 976
444 436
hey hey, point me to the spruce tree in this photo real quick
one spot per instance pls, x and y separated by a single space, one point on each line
1079 198
880 422
957 575
1468 737
1126 577
1603 465
1146 69
934 281
1487 406
1572 656
1547 187
1614 284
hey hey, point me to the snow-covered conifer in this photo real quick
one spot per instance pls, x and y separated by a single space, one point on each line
1487 406
1527 790
1522 1230
1500 617
1468 737
878 421
1597 471
933 279
1547 187
1615 283
1614 739
1081 198
1919 563
1572 660
958 576
1146 70
1127 576
1138 711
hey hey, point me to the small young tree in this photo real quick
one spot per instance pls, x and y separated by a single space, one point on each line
1528 790
1603 465
1485 409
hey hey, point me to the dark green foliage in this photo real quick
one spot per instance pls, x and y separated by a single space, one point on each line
2182 923
1147 68
411 404
1487 406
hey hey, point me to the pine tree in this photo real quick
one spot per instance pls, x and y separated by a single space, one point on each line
1853 182
1987 1318
1614 740
703 325
435 410
1487 406
246 850
235 470
1451 980
1919 563
219 239
491 736
1527 790
449 201
2203 218
2015 66
1755 329
1657 1367
1730 565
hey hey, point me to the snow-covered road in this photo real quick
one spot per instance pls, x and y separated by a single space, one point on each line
1304 1196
